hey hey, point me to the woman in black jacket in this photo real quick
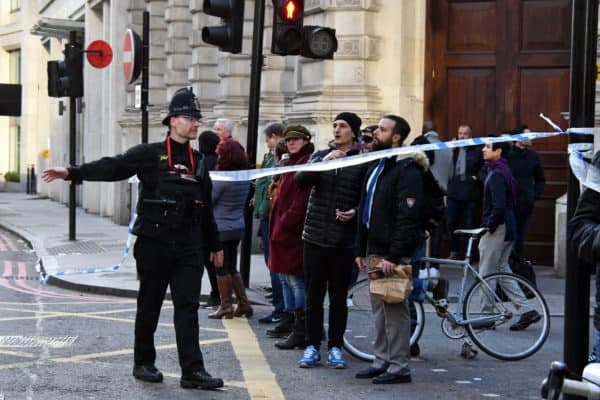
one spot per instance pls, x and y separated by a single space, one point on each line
329 238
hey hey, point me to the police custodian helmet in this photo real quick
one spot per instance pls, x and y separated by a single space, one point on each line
184 102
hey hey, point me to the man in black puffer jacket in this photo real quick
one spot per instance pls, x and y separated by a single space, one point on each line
585 230
329 238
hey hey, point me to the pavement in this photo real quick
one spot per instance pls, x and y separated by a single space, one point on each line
100 244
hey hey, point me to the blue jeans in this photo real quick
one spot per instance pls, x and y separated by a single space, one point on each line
277 292
454 211
294 292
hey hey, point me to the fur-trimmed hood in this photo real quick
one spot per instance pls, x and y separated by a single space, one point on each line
419 158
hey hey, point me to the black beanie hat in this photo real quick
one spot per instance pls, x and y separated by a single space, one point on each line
184 102
353 120
207 142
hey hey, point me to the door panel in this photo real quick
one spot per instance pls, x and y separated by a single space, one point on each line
496 64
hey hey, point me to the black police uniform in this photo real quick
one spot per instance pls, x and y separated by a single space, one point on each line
175 219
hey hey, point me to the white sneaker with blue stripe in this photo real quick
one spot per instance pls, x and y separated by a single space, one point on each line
335 359
311 357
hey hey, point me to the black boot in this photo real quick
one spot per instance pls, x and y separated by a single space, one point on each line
296 339
147 373
201 379
284 327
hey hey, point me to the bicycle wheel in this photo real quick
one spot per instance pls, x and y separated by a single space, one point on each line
360 329
499 303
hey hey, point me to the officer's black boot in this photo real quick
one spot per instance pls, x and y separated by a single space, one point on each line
147 373
200 379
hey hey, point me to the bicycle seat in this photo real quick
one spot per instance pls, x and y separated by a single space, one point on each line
475 233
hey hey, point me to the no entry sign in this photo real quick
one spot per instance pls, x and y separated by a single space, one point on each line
132 56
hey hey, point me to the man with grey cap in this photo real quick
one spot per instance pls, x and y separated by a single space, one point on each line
175 220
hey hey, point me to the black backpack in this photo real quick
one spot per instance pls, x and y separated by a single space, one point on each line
434 206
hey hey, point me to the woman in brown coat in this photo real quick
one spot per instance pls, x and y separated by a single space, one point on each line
286 224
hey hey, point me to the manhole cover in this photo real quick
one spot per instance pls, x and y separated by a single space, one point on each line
37 341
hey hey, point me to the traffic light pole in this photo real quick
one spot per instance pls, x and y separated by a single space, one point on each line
581 114
72 153
145 74
253 116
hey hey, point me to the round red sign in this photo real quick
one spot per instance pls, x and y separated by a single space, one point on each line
99 54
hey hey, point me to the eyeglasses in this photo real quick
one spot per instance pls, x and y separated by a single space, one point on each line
189 118
366 139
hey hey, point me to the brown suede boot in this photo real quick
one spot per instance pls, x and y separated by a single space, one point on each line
243 308
225 310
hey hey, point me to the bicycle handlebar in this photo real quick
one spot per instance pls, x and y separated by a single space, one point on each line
570 386
556 384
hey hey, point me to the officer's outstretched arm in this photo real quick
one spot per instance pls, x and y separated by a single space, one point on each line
54 173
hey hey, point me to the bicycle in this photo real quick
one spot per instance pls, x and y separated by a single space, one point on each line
488 328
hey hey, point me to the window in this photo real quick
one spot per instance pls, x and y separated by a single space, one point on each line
15 5
14 123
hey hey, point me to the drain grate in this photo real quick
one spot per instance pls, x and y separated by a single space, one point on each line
78 247
37 341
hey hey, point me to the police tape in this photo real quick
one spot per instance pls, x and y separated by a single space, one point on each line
45 276
585 173
251 174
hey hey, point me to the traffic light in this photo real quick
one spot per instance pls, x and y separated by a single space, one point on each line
318 42
65 78
288 19
229 35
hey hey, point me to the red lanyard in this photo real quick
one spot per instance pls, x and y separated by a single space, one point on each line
170 160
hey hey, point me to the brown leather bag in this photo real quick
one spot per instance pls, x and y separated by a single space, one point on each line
394 288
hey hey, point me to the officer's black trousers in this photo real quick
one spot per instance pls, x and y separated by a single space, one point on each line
178 265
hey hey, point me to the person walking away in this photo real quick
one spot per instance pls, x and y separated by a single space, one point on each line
285 225
272 134
499 196
329 237
529 176
390 226
175 218
229 199
207 143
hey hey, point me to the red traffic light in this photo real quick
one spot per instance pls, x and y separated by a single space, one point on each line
290 11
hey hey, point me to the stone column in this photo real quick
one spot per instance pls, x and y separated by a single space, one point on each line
157 95
177 49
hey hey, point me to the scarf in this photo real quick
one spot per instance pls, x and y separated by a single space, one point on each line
460 168
510 181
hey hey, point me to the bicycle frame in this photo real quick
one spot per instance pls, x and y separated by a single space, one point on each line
467 268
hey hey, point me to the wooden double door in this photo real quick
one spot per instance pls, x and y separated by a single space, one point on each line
495 65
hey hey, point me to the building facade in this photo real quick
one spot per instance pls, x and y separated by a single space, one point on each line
386 63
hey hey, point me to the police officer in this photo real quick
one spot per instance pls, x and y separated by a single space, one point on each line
175 218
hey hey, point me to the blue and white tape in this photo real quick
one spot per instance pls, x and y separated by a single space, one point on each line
251 174
587 174
130 237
